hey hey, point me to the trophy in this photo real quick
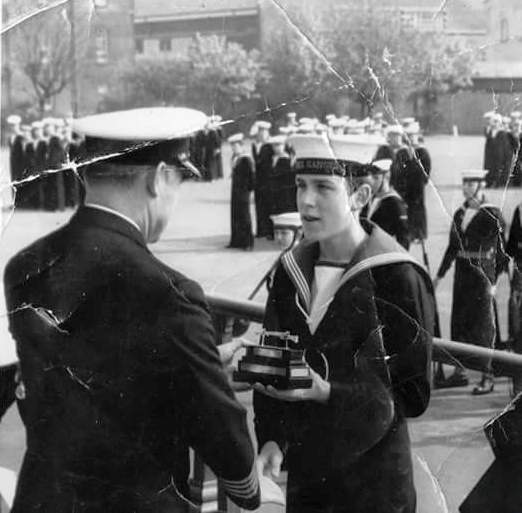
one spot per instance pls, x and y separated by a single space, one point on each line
274 362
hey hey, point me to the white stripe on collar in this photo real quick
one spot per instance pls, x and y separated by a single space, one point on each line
303 290
114 212
295 272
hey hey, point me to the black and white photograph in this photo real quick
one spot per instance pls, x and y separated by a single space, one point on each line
261 255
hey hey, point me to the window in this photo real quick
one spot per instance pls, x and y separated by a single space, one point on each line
181 46
138 44
409 19
504 30
165 44
101 45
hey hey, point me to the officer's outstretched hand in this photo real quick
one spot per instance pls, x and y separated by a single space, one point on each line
319 391
269 460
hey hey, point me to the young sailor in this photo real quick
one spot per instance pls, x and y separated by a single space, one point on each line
242 186
476 244
386 208
363 311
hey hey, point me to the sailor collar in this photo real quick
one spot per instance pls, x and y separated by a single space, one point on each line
378 249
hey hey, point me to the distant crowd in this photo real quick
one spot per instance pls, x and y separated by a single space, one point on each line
266 168
43 145
502 158
36 149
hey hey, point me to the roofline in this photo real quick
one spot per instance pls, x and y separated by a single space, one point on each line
196 15
465 32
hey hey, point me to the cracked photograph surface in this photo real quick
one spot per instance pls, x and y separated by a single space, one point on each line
417 339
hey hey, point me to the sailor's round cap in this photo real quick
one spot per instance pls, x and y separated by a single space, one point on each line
144 136
14 119
413 128
474 175
337 123
394 129
264 125
285 130
236 138
516 114
341 155
290 220
408 120
489 114
277 139
291 115
328 117
36 124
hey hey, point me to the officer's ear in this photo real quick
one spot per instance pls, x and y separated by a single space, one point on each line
153 178
159 176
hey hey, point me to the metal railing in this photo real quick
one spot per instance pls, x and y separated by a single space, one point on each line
503 363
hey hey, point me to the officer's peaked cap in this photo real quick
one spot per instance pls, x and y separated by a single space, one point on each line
144 136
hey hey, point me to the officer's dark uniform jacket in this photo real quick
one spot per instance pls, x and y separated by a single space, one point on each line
353 452
129 379
479 255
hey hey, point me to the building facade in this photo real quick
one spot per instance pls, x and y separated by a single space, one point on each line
111 34
501 66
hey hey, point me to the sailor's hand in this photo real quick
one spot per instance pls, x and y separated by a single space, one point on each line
493 290
227 354
269 460
319 391
228 351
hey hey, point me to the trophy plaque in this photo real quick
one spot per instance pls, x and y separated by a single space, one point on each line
274 362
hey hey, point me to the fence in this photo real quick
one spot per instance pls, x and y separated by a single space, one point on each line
209 495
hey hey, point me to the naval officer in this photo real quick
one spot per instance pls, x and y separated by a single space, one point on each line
118 362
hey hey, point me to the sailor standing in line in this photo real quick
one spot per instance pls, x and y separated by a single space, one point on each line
282 180
16 147
418 170
262 152
386 208
243 179
476 245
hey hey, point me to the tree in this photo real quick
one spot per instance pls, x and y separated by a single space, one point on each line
299 72
389 62
446 68
40 48
216 75
362 52
223 74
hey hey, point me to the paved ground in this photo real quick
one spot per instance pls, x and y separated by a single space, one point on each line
451 451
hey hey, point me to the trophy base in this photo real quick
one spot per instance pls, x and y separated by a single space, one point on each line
281 383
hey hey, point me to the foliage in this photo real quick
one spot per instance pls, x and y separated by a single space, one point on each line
389 62
40 49
298 71
377 59
215 75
